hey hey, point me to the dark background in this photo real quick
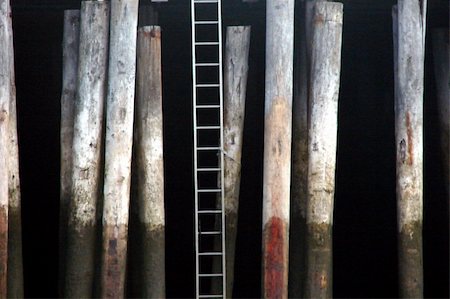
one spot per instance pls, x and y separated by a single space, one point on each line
365 258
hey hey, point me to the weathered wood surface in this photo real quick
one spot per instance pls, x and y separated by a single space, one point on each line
409 142
87 149
15 262
150 164
441 52
324 93
277 147
118 144
5 99
235 87
70 45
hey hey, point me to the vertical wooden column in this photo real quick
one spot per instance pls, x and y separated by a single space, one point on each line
150 164
235 87
277 146
15 263
5 98
118 144
324 92
70 46
409 143
87 149
441 52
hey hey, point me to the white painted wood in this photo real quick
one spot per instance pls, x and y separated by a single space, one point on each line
87 149
15 263
277 146
409 143
118 144
5 99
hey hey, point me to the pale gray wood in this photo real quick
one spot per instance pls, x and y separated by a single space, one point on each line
87 149
5 99
235 87
118 144
409 143
441 53
277 146
150 164
322 145
70 45
15 263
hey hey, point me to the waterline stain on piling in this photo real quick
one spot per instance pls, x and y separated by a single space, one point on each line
274 274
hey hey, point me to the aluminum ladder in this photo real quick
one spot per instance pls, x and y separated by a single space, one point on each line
206 25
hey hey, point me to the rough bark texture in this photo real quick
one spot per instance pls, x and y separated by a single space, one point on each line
87 145
235 87
441 52
15 263
409 143
277 146
70 65
324 92
6 90
118 144
150 164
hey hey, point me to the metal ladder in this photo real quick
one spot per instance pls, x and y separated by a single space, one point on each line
206 25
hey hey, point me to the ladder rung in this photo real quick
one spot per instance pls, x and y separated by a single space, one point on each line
209 211
207 106
208 127
206 22
206 43
210 274
210 296
207 85
210 233
210 253
206 1
207 64
209 190
208 148
208 169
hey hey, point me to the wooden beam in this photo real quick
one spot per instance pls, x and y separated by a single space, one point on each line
87 150
322 145
150 164
277 146
409 64
71 34
118 144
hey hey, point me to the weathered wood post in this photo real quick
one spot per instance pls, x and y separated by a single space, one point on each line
87 149
118 144
150 164
324 93
15 263
409 143
6 89
441 54
277 146
71 36
235 87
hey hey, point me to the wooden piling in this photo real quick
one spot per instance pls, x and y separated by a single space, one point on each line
118 144
71 35
6 89
277 146
15 263
150 164
235 87
87 149
409 143
441 54
323 94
